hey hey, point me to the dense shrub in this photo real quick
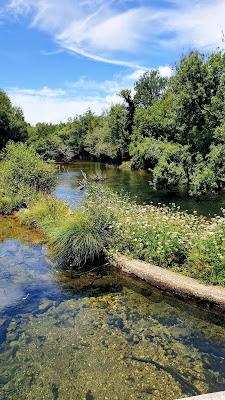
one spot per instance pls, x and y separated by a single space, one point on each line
169 163
23 174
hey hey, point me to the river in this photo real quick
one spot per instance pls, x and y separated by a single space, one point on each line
136 183
99 336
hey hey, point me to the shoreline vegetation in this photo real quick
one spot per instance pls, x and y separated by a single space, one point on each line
108 224
173 128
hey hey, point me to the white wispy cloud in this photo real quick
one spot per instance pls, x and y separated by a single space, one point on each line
115 32
122 36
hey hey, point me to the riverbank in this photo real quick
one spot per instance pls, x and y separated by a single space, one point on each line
107 224
108 328
172 282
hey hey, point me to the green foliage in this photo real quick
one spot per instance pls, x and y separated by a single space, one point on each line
197 88
206 258
130 109
23 174
219 134
109 139
12 123
202 180
44 213
216 160
149 88
167 237
45 140
98 142
169 163
161 119
209 173
9 203
157 121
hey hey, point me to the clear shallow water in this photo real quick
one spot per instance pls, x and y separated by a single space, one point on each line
134 182
96 337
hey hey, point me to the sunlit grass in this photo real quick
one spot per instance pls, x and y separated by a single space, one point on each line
108 224
83 239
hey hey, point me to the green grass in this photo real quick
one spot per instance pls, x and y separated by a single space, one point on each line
77 239
83 240
166 237
44 213
108 224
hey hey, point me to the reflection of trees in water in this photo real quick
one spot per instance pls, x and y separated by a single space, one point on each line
137 183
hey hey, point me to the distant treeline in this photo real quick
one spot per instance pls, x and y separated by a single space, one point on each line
174 128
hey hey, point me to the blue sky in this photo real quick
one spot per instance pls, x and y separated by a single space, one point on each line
59 57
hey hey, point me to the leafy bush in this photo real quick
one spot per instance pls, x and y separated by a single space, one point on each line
23 174
203 180
169 163
8 204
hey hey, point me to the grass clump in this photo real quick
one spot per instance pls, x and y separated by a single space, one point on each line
108 224
84 239
23 175
78 239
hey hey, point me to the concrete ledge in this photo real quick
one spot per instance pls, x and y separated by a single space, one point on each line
212 396
173 282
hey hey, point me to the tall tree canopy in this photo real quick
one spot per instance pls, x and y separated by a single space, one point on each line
12 123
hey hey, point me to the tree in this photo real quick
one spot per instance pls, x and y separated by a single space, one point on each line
169 164
119 134
12 124
110 139
130 106
197 96
157 120
23 175
45 140
148 88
